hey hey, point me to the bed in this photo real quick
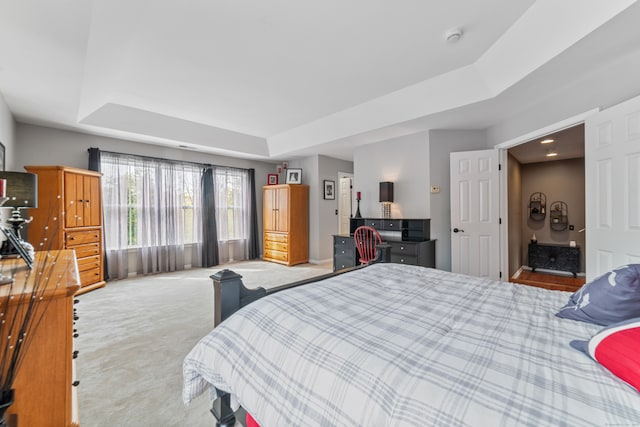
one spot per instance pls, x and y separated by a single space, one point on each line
400 345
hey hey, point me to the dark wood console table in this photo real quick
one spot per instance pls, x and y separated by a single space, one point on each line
554 257
409 239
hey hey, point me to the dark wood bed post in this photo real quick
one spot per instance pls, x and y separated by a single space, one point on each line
230 294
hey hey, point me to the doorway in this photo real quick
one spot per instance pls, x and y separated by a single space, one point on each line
546 203
345 201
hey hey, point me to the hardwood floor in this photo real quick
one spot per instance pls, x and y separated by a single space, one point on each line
549 281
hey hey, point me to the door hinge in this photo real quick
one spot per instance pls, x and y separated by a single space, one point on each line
499 220
499 166
501 274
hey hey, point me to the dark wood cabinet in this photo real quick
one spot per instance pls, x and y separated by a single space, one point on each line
344 252
409 239
554 257
414 253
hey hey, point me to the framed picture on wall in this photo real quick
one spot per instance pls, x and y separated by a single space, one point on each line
329 189
272 179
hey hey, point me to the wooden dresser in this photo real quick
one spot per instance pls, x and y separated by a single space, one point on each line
286 223
75 196
45 388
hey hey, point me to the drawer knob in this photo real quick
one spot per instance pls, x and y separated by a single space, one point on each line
76 383
75 354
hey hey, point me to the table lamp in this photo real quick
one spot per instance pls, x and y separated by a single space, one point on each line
20 192
386 198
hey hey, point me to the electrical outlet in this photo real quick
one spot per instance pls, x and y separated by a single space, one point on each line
435 189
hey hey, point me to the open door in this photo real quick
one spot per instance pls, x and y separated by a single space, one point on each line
612 168
344 203
475 221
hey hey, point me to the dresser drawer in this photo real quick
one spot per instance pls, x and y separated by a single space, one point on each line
89 277
404 249
88 263
392 224
90 249
402 259
343 251
74 238
343 261
276 255
276 237
375 223
343 242
276 246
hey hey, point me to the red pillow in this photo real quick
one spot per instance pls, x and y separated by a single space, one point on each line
617 348
250 421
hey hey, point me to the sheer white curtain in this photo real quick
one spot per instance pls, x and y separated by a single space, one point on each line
233 206
152 209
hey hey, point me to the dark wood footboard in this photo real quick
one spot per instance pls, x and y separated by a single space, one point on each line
230 294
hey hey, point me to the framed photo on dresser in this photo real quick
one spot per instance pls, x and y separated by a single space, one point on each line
294 176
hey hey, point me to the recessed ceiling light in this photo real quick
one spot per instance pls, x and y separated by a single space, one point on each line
552 154
547 141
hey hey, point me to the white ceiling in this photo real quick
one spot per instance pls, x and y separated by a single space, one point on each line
280 79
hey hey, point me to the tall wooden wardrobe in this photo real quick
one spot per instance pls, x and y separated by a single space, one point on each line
286 223
74 197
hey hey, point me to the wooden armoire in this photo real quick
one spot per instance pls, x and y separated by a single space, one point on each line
69 216
286 223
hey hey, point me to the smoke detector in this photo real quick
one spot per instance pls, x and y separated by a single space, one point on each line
453 35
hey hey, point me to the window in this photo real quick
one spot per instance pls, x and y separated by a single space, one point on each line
232 210
150 202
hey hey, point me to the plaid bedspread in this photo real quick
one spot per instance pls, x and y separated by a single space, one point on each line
396 345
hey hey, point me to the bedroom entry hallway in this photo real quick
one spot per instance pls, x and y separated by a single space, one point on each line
135 333
546 204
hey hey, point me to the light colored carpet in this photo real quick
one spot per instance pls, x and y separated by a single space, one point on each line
134 334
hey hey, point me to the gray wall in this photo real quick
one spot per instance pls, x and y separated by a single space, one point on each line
323 222
405 162
42 145
561 180
328 168
7 134
516 216
37 145
442 143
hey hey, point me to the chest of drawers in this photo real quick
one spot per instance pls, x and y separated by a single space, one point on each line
554 257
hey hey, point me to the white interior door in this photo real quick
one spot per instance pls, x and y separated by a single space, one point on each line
475 221
344 204
612 169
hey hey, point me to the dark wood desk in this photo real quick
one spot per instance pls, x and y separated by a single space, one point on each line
409 239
